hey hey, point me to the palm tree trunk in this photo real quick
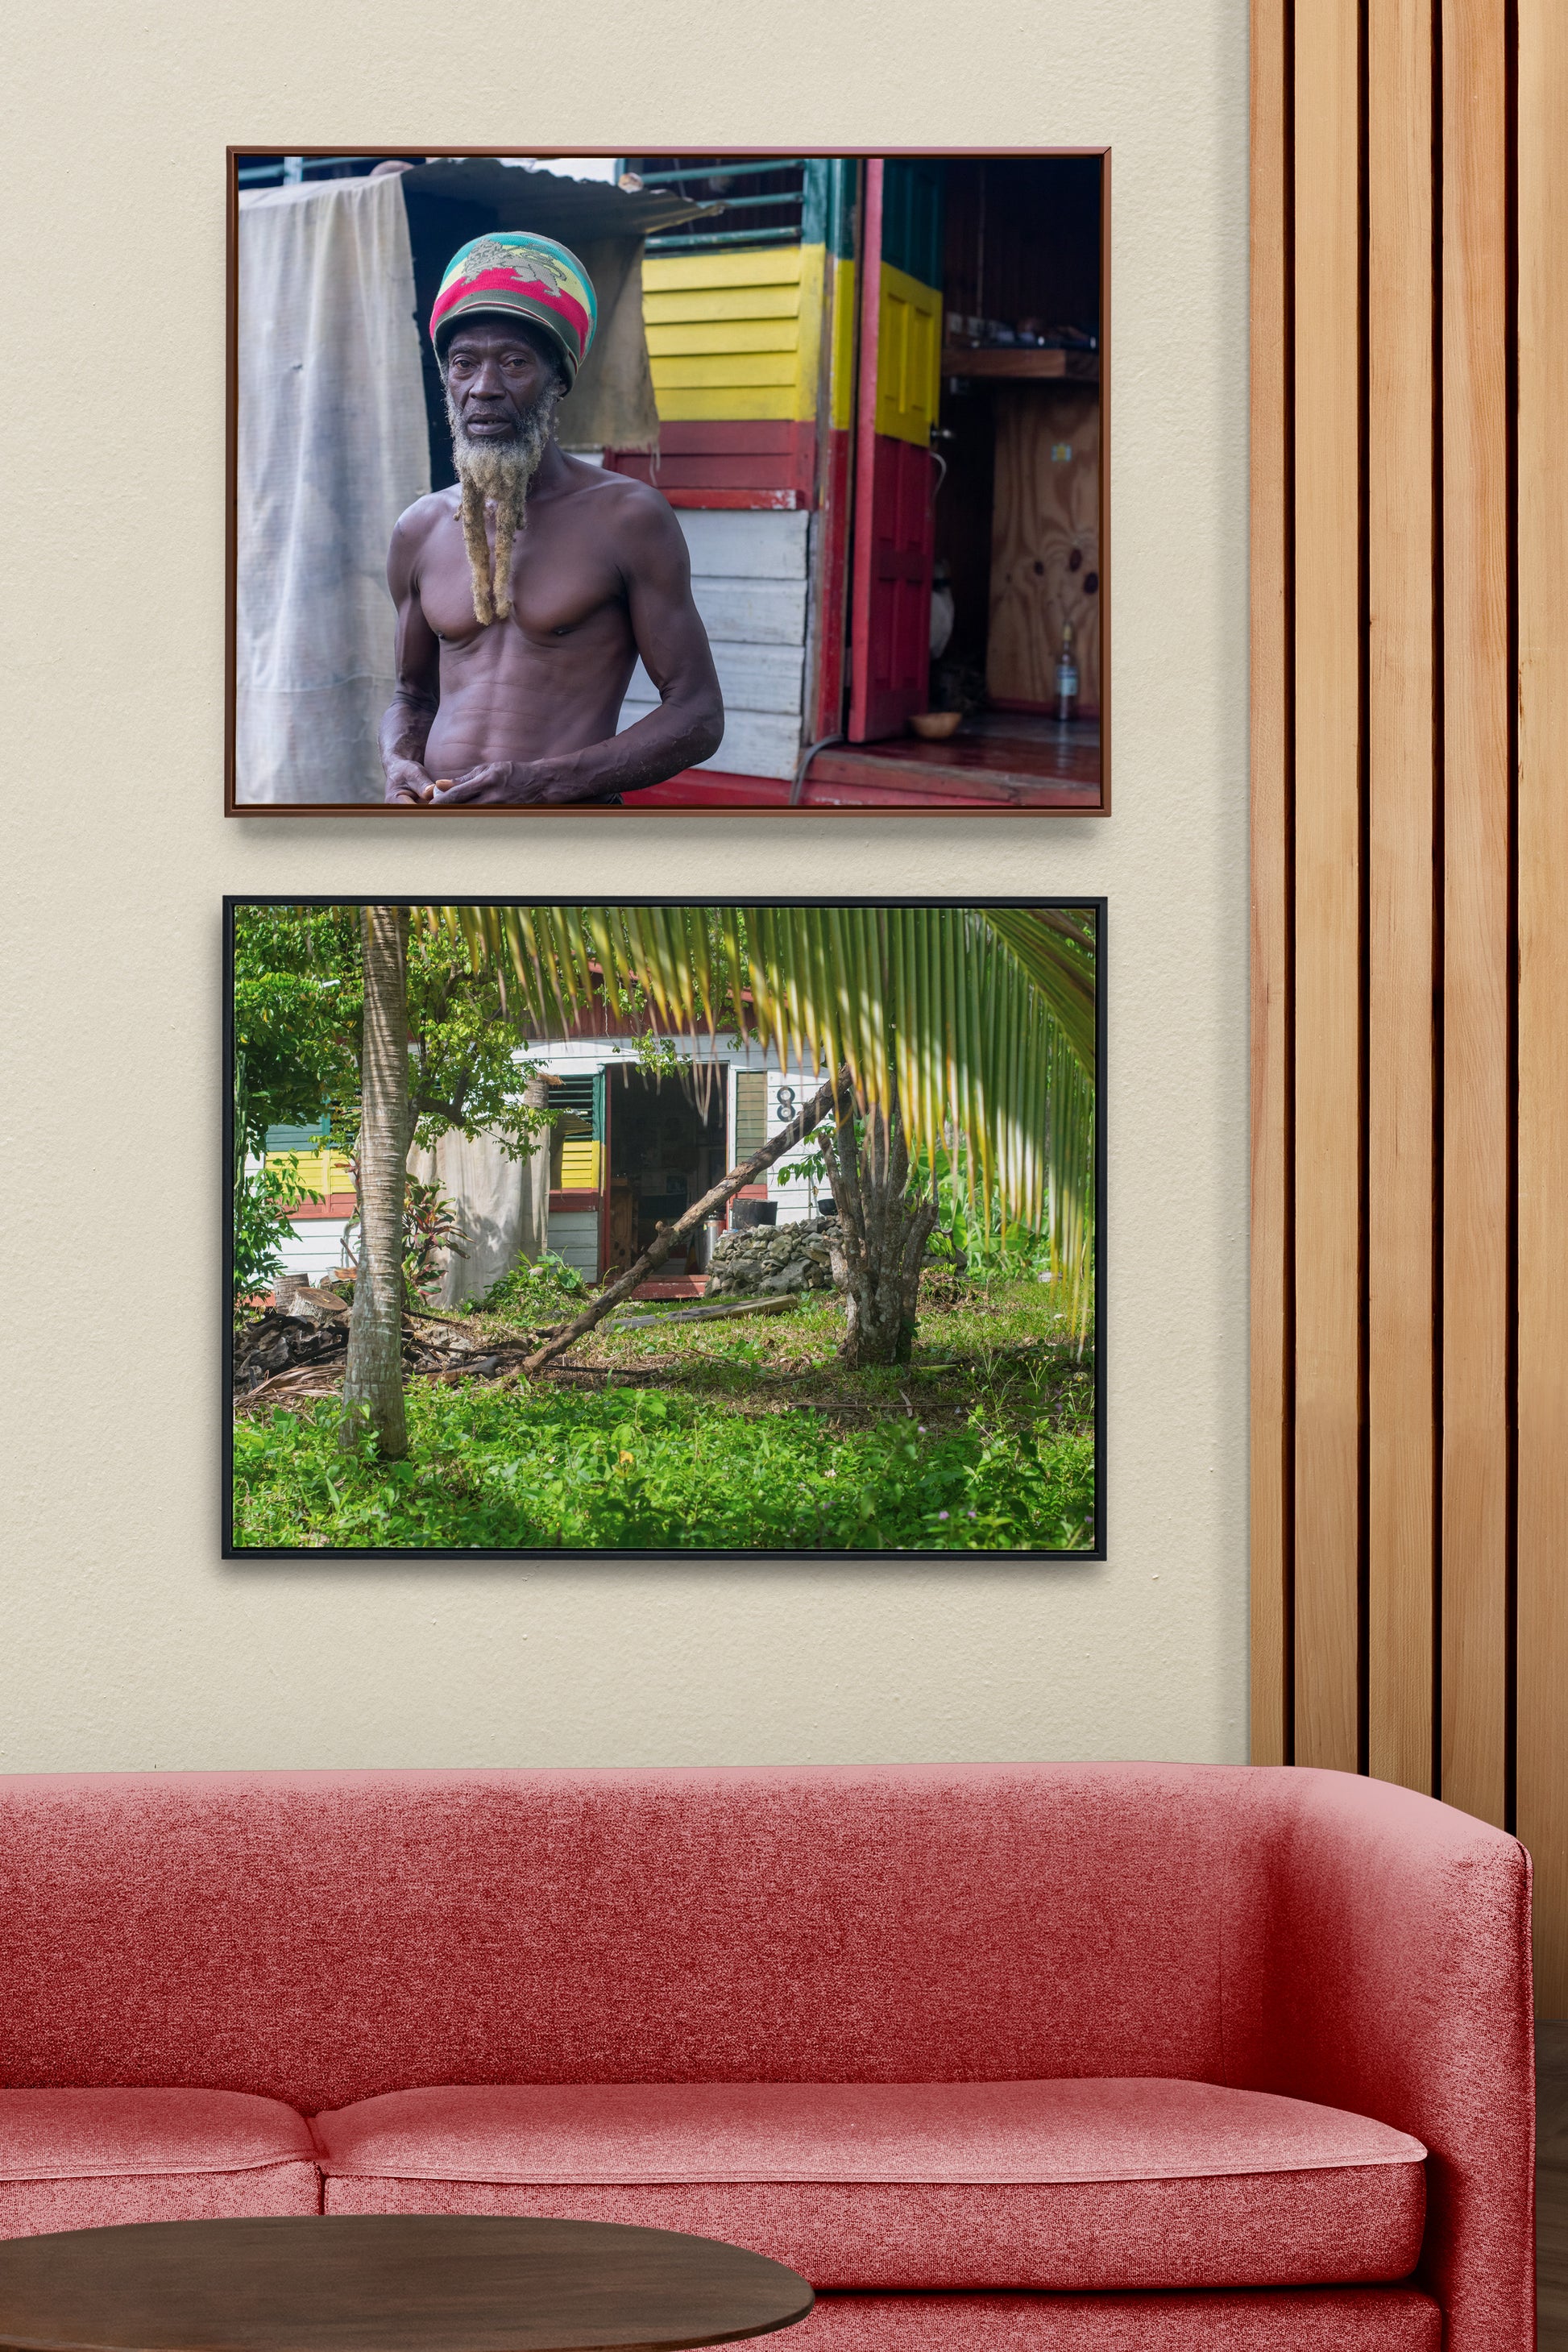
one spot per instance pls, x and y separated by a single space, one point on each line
883 1233
373 1384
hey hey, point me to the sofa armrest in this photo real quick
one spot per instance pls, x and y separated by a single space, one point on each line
1377 1958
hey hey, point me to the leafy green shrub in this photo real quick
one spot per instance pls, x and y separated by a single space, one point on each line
531 1293
261 1226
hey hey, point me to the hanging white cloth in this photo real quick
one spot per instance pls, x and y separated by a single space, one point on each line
333 446
502 1204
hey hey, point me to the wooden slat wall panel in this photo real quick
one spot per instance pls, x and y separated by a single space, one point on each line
1270 926
1410 906
1326 1008
1542 837
1476 1080
1401 782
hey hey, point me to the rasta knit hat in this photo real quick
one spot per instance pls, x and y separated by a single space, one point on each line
530 276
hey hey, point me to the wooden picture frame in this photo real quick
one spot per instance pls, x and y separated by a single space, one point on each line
820 480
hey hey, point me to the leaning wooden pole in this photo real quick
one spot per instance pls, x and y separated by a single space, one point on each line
823 1105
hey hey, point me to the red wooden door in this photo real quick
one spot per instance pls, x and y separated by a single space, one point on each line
894 526
892 639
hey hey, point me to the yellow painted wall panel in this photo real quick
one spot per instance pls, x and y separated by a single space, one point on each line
721 303
315 1172
580 1164
841 409
813 258
694 337
731 404
728 326
748 265
908 357
725 367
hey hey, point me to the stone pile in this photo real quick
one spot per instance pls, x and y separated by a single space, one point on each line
765 1260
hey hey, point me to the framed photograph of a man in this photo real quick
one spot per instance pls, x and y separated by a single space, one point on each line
668 482
665 1228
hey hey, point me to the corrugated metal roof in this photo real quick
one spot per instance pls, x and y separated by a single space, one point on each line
572 210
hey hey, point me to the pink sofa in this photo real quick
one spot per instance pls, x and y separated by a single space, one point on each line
1006 2058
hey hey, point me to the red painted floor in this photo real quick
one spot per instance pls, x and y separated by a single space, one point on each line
678 1285
999 758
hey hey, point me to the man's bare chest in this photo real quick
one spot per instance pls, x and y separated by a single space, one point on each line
563 583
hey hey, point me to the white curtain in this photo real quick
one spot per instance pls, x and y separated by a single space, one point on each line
333 446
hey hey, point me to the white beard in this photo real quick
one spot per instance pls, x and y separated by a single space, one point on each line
501 471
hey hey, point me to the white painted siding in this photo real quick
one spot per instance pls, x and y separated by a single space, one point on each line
750 678
575 1237
752 612
744 543
749 580
786 1091
754 743
316 1247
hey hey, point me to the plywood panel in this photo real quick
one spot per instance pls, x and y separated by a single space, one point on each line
1401 782
1328 858
1271 1710
1045 544
1476 1089
1543 848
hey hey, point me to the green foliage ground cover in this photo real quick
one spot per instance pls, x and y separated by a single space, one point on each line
741 1436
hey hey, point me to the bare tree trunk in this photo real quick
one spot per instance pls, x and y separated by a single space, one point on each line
372 1383
883 1233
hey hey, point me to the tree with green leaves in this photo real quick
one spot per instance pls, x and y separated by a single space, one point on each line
323 1007
298 1013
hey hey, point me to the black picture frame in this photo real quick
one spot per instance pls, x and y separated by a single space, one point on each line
1093 1553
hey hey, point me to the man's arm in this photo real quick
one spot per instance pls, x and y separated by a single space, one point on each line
410 713
688 724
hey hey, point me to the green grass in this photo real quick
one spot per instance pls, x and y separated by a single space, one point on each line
744 1436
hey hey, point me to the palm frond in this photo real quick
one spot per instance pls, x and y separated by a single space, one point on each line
978 1023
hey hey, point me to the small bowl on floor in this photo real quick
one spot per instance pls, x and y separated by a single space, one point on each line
936 726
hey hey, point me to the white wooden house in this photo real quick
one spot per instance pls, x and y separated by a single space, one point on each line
626 1150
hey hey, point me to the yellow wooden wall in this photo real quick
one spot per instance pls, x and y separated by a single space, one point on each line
909 356
578 1163
735 336
317 1172
1410 906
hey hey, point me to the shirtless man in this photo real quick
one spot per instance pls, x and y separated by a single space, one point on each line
525 594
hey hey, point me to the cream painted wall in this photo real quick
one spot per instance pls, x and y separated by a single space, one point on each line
124 1641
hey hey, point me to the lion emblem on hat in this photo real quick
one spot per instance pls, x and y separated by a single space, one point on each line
497 253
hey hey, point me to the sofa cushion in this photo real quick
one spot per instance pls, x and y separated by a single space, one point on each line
1310 2319
1075 2184
81 2159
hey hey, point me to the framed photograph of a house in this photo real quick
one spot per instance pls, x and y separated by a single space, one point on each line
663 1229
662 481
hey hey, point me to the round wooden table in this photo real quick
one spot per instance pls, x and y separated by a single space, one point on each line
386 2283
